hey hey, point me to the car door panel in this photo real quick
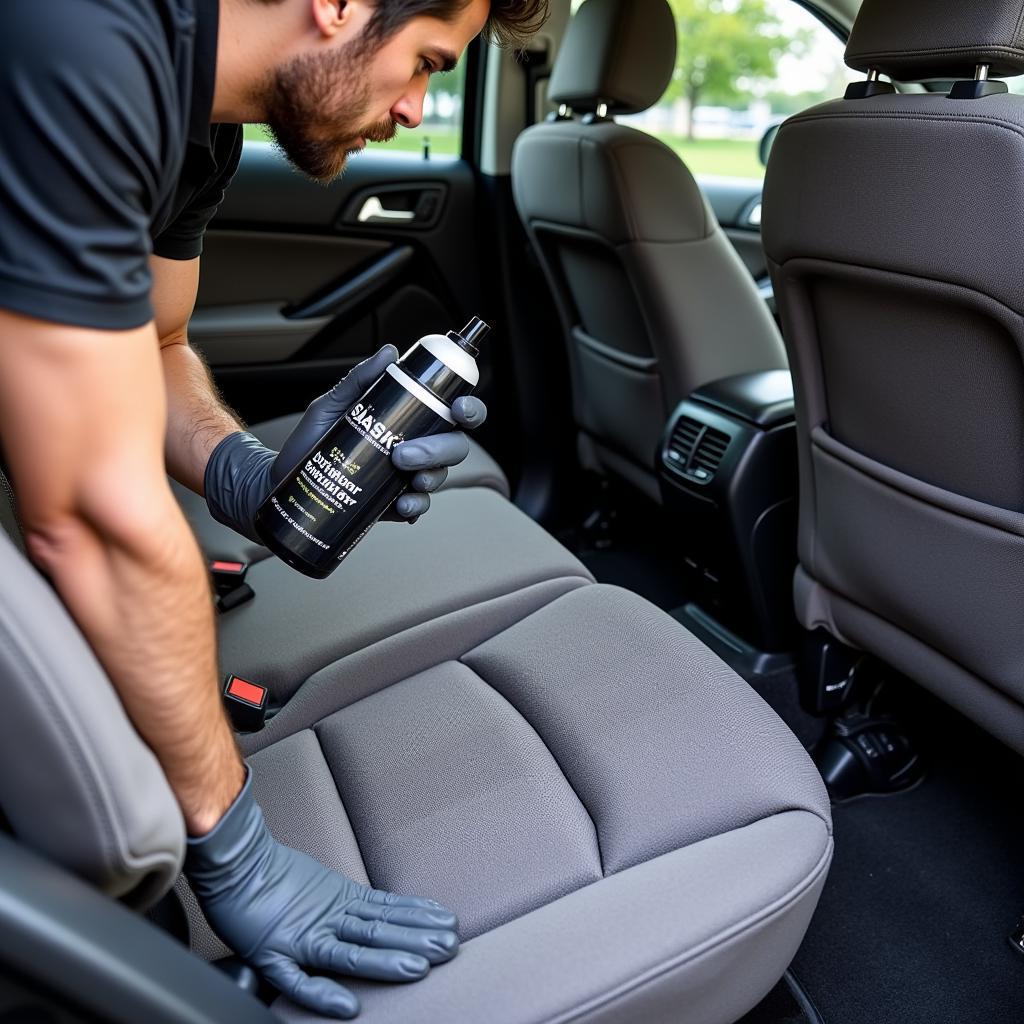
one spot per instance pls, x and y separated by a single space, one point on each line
300 280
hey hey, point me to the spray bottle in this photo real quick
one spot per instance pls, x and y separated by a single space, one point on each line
329 502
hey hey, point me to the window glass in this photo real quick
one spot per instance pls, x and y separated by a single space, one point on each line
442 119
743 66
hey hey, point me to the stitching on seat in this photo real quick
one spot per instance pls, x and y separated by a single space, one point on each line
765 916
986 49
554 757
915 115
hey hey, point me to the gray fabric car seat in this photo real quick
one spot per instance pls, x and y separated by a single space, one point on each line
652 298
626 829
893 225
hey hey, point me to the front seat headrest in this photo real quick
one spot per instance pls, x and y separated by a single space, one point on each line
618 52
911 40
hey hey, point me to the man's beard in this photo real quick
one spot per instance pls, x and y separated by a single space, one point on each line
316 108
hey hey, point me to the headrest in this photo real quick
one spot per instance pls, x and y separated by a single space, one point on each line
77 784
911 40
619 52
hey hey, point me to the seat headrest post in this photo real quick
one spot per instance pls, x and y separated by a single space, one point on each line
977 87
914 40
619 54
872 86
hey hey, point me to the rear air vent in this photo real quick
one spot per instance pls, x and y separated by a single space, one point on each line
684 440
710 451
696 451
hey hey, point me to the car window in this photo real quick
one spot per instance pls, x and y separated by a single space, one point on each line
442 119
743 65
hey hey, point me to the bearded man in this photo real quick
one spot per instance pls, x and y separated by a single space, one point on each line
121 130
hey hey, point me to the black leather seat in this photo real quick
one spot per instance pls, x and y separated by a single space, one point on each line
653 300
892 223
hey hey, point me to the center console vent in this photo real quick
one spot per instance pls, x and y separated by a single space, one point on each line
696 450
710 451
683 441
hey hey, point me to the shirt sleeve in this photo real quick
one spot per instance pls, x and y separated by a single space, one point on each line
182 239
82 105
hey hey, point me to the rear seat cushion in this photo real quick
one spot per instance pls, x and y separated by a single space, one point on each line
479 470
472 546
625 829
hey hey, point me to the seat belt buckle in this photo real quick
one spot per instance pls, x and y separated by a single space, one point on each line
229 584
245 703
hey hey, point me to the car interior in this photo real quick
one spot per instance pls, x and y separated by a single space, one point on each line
698 694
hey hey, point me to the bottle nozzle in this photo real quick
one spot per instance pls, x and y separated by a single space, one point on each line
471 335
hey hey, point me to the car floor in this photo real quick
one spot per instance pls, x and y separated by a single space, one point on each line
926 885
925 888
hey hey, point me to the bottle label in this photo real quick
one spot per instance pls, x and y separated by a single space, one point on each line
321 510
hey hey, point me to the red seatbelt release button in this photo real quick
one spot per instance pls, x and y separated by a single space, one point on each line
246 704
228 568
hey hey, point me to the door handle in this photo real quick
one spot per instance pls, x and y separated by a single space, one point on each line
374 211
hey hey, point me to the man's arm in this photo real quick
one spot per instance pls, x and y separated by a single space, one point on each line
197 419
82 416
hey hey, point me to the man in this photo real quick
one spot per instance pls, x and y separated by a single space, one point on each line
120 134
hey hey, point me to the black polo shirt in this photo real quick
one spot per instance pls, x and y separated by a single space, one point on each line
106 152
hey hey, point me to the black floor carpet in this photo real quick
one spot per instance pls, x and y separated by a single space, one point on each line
629 542
925 888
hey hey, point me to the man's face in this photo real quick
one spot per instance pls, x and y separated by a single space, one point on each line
325 105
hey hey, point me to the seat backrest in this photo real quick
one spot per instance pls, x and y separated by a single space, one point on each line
654 301
893 223
77 783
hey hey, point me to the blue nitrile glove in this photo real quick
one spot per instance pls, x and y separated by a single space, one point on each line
285 913
242 471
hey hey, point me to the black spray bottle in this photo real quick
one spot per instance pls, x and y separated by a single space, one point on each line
328 503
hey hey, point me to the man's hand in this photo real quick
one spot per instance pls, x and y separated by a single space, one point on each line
282 911
241 472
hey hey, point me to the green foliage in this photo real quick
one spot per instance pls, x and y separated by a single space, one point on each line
728 158
723 45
